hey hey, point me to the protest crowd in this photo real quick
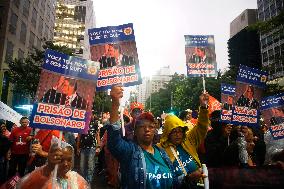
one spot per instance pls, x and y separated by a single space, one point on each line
148 153
63 144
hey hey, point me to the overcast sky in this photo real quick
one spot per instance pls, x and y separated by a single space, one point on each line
160 26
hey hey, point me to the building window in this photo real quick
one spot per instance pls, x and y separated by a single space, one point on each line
270 54
40 27
269 40
46 33
261 16
265 57
43 6
34 18
21 54
26 8
9 51
23 33
17 3
32 40
13 23
36 3
38 44
277 52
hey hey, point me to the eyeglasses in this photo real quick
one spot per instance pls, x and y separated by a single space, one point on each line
176 131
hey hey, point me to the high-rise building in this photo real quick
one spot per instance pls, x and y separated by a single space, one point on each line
73 19
243 45
272 43
24 24
153 84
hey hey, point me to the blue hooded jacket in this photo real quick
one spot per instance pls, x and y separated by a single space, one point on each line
131 159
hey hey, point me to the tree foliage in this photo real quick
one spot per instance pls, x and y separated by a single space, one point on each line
102 103
183 93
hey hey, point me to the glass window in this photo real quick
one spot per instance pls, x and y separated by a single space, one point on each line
13 23
21 54
40 27
34 18
38 44
17 3
23 33
32 39
9 51
26 8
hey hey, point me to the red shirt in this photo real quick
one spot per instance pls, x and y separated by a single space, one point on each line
18 137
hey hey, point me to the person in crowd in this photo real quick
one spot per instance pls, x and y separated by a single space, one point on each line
4 130
69 138
5 156
40 147
65 93
87 146
247 99
186 116
259 148
240 151
142 165
136 109
217 140
42 177
181 145
20 138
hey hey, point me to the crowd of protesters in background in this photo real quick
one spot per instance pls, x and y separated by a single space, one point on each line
147 147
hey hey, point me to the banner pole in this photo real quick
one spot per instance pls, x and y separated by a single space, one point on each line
54 179
203 82
121 118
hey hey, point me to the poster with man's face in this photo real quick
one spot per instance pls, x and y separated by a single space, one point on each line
249 88
227 99
114 48
272 111
65 94
200 55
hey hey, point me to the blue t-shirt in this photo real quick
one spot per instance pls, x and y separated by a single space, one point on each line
158 174
187 160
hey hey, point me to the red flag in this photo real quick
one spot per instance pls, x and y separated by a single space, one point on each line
214 104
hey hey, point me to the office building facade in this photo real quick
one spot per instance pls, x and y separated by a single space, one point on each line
243 45
272 43
153 84
73 19
24 25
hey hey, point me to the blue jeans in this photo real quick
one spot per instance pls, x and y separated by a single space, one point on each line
87 163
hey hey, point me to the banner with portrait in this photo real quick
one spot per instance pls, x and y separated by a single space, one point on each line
249 88
227 98
114 48
272 110
200 56
65 94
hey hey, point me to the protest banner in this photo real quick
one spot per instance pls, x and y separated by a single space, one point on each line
272 110
7 113
200 56
65 93
249 87
114 48
227 97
